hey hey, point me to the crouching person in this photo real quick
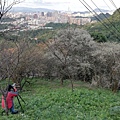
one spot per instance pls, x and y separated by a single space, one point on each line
12 92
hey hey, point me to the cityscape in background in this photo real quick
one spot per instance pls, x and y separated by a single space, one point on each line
37 20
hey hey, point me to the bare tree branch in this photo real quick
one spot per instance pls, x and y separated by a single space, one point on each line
4 8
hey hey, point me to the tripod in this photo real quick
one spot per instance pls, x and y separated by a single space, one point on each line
20 103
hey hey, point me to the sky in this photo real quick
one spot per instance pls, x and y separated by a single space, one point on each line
69 5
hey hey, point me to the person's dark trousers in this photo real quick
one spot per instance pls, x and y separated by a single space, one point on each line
12 110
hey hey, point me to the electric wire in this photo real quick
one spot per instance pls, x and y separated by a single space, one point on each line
114 5
113 31
94 15
98 18
107 5
106 17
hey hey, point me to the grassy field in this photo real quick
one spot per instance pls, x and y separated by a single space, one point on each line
48 100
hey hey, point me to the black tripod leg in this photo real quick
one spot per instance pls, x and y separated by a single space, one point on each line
20 104
21 99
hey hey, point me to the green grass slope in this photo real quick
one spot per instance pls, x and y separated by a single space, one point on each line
48 100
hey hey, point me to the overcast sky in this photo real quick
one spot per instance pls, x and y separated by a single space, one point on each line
71 5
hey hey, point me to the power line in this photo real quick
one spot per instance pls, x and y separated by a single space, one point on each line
107 5
96 16
106 17
114 5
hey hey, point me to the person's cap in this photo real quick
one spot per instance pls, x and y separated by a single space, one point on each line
14 84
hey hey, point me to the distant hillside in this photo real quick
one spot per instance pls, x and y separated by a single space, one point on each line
101 16
27 9
103 10
109 33
116 16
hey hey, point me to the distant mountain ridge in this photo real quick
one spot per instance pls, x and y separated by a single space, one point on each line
95 10
27 9
103 10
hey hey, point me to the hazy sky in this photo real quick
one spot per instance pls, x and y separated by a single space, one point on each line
72 5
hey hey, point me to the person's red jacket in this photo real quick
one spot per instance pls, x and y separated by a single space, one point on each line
9 99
